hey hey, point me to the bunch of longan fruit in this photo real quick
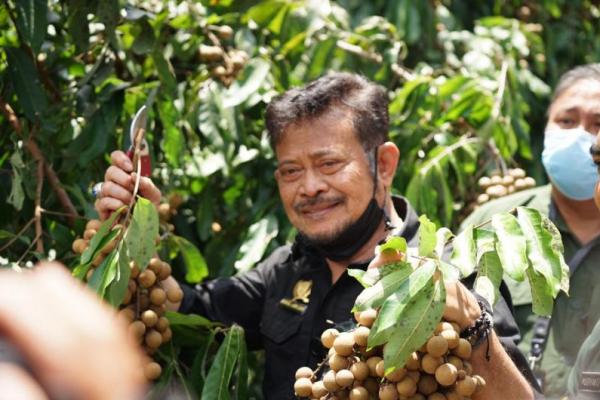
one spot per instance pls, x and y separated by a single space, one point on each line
144 304
497 185
224 63
439 370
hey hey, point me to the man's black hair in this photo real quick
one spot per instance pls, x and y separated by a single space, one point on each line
366 101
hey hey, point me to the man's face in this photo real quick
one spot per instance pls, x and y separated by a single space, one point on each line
324 178
577 107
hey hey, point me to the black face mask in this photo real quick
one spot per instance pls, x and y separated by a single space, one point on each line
354 237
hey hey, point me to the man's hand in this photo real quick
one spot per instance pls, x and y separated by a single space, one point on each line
117 188
74 344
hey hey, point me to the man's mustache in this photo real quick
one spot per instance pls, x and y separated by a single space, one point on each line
318 200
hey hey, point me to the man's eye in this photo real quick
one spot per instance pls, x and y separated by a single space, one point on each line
566 121
289 173
330 166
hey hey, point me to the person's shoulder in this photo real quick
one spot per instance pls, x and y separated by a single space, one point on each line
538 198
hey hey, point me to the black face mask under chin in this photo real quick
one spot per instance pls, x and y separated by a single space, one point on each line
354 237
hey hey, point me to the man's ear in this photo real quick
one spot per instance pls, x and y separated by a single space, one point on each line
387 162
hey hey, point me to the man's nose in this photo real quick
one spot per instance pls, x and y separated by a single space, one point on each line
313 183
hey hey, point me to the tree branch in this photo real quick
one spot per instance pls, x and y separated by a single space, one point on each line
37 214
37 154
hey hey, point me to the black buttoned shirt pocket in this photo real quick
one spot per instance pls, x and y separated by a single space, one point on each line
279 324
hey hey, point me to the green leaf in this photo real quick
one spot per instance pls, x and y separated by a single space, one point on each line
194 261
105 274
165 71
32 21
427 238
217 382
541 293
25 79
464 253
99 240
189 320
17 194
174 142
252 250
489 277
108 12
78 24
544 248
144 40
443 235
255 75
118 287
415 325
394 305
370 277
397 243
241 382
511 245
142 232
375 295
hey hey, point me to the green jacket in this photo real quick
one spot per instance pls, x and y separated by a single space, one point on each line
574 316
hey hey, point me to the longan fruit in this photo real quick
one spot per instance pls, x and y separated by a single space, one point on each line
361 335
318 389
466 387
158 296
442 326
303 387
137 329
463 350
344 378
93 224
149 318
372 364
153 339
413 363
414 375
529 181
167 335
152 370
437 346
344 344
517 173
406 387
128 296
329 381
328 336
360 370
165 271
359 393
337 362
343 394
468 367
174 294
135 271
144 301
396 375
146 278
496 180
456 361
162 324
484 182
479 380
417 396
89 274
380 368
446 374
456 327
427 385
430 363
452 395
451 338
367 317
160 310
109 247
304 372
131 285
79 246
98 259
155 265
88 234
127 314
164 211
388 392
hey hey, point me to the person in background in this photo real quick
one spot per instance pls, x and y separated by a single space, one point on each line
573 124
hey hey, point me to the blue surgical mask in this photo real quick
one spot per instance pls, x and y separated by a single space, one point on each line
568 162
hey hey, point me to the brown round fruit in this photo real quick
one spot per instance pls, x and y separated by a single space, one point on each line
152 371
89 233
380 368
359 393
372 385
225 32
166 335
93 224
437 346
158 296
436 396
319 390
446 374
451 338
372 364
406 387
388 392
164 209
155 264
149 318
360 370
344 344
430 363
165 271
79 245
174 294
328 336
367 317
162 324
304 372
344 378
146 278
361 335
463 350
137 329
303 387
153 339
396 375
413 363
427 385
337 362
329 381
456 361
466 387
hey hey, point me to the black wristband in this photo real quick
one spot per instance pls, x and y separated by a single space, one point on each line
481 329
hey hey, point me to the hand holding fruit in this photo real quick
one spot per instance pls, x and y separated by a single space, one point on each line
118 185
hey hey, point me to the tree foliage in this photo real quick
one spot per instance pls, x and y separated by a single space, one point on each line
468 86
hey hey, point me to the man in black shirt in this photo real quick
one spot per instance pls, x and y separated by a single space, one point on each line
335 169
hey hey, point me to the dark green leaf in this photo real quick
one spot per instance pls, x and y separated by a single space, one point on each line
99 240
105 274
32 21
25 79
541 293
118 288
174 142
17 194
219 376
191 320
194 261
165 73
375 295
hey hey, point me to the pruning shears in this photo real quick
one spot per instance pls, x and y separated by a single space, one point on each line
139 145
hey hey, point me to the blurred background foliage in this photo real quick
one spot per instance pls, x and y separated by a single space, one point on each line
469 83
